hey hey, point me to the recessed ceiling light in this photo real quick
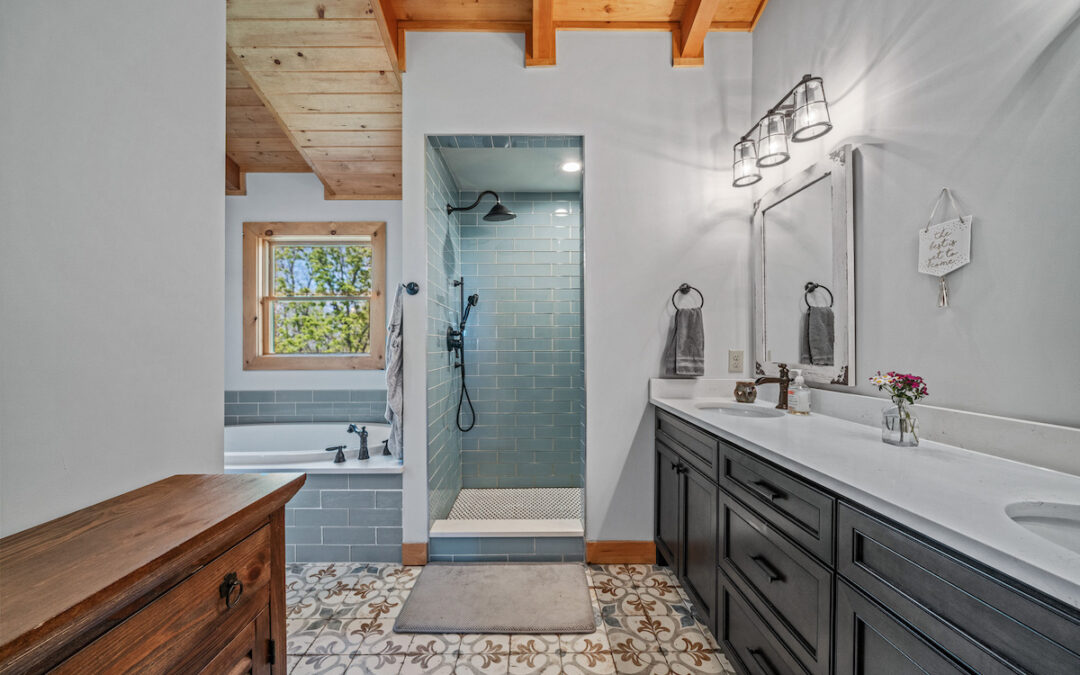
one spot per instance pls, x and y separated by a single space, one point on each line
571 166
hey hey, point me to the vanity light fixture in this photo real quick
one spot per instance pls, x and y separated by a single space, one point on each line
803 110
571 167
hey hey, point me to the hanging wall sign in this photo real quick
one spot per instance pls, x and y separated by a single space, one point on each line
944 247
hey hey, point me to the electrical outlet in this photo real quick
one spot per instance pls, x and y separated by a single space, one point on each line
735 360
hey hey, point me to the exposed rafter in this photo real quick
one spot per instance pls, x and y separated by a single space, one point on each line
327 72
690 39
540 41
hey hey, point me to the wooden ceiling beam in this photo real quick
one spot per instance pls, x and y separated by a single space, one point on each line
696 20
393 39
234 178
540 41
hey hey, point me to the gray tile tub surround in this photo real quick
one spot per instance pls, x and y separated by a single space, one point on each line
506 549
345 518
292 406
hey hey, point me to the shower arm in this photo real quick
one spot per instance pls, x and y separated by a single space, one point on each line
450 208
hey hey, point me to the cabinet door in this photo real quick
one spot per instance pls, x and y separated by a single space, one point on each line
668 509
700 499
870 642
247 652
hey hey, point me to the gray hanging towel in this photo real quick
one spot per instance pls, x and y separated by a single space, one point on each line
820 335
395 373
684 355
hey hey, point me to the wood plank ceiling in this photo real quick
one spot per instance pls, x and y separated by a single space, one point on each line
328 72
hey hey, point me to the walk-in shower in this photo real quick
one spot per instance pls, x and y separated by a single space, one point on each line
506 404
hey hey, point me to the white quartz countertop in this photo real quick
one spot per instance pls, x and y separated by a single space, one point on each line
952 495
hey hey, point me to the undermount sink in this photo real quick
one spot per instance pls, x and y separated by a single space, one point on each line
1054 522
739 409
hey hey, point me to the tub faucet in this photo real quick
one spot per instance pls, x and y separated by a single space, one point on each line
363 434
783 381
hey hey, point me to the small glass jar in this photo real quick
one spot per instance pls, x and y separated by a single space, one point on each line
745 392
899 426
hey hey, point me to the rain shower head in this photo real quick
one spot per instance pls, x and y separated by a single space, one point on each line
499 213
496 214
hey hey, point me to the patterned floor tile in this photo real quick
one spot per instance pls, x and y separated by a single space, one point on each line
585 643
340 618
429 664
321 664
675 637
693 663
590 663
482 664
434 643
301 633
640 663
476 643
534 644
516 503
380 664
535 664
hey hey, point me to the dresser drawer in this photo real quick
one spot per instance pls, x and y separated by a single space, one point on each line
746 640
983 622
694 445
183 622
793 506
788 587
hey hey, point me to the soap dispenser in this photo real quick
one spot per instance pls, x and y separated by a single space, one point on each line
798 395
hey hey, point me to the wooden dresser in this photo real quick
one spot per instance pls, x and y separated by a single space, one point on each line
184 575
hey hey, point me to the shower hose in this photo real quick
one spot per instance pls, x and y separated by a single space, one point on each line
463 396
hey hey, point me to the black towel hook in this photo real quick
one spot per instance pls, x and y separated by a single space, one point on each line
810 288
684 289
412 288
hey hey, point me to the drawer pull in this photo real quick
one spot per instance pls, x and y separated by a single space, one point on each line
768 489
762 661
231 589
767 568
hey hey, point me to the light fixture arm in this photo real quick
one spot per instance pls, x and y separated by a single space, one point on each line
450 209
779 107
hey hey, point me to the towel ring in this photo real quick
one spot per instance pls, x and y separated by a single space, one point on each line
684 289
810 288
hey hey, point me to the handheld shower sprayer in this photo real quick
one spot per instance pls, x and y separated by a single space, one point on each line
455 342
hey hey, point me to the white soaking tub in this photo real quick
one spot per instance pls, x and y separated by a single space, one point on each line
268 448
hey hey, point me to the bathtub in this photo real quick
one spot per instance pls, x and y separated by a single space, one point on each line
268 448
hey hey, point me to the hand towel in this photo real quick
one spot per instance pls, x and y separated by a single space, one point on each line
820 327
684 355
395 373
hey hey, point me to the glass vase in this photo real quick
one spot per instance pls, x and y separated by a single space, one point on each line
899 426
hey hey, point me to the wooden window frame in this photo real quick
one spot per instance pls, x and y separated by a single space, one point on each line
258 236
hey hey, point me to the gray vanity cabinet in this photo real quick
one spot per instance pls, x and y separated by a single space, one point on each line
806 582
686 508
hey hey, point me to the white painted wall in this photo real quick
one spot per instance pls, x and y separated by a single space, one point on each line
112 135
296 197
981 96
658 206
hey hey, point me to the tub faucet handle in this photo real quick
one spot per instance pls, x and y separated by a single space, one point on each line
386 447
340 456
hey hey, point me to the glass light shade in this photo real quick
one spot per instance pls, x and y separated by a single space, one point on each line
772 141
810 118
745 166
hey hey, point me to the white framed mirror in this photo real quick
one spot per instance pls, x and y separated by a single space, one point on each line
804 274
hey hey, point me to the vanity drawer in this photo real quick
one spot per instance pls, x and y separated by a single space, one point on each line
187 619
791 505
746 639
786 585
692 444
869 640
982 621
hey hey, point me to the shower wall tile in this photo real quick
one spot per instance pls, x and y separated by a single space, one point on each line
299 406
443 380
525 360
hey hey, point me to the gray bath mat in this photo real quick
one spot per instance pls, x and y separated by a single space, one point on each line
498 598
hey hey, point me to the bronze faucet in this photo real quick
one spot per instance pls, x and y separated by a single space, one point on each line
783 381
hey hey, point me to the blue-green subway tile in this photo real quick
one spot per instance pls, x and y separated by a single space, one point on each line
255 396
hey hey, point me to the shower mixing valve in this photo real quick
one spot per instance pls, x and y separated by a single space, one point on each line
454 339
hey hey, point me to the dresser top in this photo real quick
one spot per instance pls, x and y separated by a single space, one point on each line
69 575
